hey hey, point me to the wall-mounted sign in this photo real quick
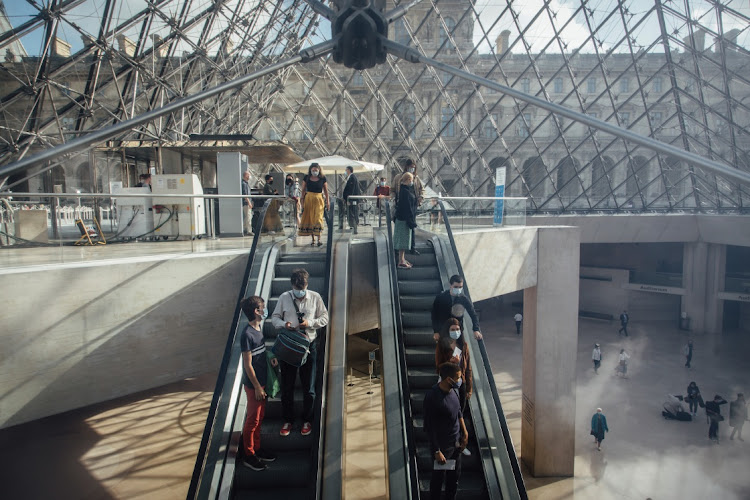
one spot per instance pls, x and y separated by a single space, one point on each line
740 297
670 290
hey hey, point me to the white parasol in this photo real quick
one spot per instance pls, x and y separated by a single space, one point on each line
333 165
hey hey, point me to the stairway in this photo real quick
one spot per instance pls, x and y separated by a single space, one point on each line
418 287
294 473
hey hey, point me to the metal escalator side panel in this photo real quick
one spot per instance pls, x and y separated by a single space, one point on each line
334 406
397 456
490 417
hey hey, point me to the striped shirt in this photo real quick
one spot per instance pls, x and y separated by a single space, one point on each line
252 341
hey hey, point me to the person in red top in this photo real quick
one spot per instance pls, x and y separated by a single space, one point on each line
382 190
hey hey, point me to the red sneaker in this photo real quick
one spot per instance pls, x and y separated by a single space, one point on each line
286 429
306 428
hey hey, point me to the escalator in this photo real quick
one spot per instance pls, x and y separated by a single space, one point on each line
491 471
297 471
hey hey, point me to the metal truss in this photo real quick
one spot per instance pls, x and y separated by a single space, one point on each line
673 70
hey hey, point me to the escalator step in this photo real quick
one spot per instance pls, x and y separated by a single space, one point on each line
303 257
419 273
470 485
272 494
420 356
421 378
423 260
416 302
315 268
271 440
420 287
421 319
419 337
471 462
292 469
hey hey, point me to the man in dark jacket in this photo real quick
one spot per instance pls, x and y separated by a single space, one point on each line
444 425
624 319
452 303
713 412
351 188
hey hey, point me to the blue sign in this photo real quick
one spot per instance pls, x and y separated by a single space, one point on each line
499 193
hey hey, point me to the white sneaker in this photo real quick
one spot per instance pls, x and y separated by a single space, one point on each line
466 452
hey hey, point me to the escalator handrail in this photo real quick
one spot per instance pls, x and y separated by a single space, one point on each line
321 401
201 458
488 369
405 392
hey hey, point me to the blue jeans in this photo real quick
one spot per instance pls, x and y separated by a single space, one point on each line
307 379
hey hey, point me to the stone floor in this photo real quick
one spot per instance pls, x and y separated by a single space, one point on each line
643 455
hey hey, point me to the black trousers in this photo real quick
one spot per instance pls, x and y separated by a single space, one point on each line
450 477
518 327
307 379
624 328
713 429
352 212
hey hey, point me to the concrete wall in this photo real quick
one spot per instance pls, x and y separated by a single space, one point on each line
82 334
599 296
498 261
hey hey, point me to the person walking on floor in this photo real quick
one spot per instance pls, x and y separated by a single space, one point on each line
622 368
596 357
737 416
693 398
713 412
314 195
446 430
518 318
247 205
687 351
599 427
254 377
406 219
299 309
351 188
624 318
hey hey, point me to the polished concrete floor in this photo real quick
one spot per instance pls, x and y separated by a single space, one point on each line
643 455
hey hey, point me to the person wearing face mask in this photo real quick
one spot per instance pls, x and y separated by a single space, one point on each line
272 222
410 168
351 188
452 303
315 198
382 190
446 430
254 377
299 302
406 220
291 191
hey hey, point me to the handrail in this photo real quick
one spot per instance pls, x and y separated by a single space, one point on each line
405 392
321 403
200 463
332 487
488 371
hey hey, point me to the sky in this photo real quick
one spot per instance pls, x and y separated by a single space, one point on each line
560 12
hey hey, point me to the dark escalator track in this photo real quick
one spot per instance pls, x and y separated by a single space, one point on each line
294 473
418 287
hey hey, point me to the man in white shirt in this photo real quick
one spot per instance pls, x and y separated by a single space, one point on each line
596 357
314 315
518 318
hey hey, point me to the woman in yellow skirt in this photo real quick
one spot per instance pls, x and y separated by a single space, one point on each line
314 199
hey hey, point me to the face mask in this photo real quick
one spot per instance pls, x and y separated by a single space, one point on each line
409 184
289 182
265 313
299 293
457 384
412 170
315 173
455 334
456 291
382 183
271 181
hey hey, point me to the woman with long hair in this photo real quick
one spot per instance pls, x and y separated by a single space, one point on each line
314 195
406 219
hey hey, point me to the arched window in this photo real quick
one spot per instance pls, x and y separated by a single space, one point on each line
599 186
451 25
83 178
533 177
567 184
635 172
